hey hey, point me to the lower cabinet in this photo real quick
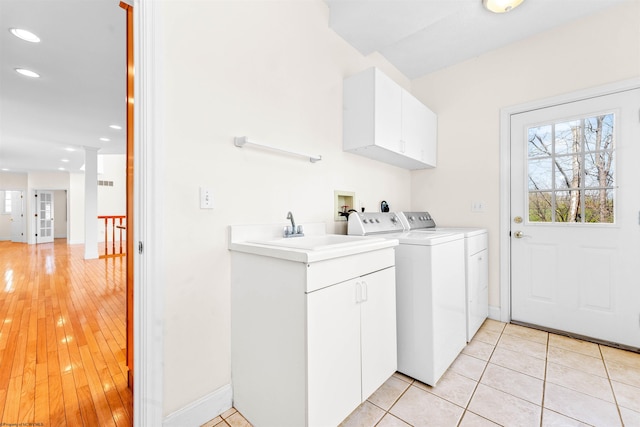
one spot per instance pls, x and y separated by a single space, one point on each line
351 340
310 342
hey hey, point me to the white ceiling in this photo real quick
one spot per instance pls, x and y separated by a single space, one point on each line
82 61
422 36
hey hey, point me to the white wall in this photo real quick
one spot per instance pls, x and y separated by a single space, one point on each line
468 97
272 71
112 200
13 181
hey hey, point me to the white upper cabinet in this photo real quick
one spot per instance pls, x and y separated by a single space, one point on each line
383 121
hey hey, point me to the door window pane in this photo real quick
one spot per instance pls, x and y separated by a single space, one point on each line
540 206
567 137
539 141
598 132
567 171
599 206
540 174
599 169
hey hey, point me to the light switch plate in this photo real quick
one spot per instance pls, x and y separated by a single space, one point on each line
206 198
478 206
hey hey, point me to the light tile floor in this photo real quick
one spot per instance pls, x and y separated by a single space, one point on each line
508 375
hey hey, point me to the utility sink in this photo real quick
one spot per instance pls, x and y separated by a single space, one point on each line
318 242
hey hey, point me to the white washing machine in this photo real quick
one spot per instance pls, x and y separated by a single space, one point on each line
476 264
430 293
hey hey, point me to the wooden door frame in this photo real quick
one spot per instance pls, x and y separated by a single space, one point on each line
505 174
130 192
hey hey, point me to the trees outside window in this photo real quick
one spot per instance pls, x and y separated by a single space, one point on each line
571 171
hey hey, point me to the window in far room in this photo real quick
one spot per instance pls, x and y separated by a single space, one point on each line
6 202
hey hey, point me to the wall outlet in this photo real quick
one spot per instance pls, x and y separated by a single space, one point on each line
206 198
478 206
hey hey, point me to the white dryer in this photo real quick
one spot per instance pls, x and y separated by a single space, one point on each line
430 294
476 264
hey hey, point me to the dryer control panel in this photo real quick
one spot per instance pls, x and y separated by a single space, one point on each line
415 220
366 223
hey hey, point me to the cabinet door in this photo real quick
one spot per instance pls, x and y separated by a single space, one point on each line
388 113
478 298
333 346
378 329
418 130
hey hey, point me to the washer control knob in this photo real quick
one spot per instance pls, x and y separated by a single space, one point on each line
412 218
377 220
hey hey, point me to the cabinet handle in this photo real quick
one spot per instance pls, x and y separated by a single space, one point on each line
365 292
358 293
402 146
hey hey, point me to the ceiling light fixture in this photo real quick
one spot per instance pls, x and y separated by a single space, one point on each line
25 35
116 127
64 160
70 149
501 6
27 73
61 169
103 139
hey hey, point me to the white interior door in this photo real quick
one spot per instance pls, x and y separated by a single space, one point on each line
44 217
575 214
17 217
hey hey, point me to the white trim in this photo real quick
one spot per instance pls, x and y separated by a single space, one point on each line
148 293
505 171
494 313
202 410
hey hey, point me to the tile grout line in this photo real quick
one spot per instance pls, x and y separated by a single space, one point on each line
544 379
386 411
466 408
613 391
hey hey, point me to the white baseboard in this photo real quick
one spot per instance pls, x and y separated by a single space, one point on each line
494 313
202 410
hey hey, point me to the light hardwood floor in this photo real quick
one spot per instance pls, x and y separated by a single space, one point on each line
62 337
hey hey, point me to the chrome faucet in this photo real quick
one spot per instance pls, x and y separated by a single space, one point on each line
293 222
292 231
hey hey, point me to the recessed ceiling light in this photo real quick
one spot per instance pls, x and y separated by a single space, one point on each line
70 149
103 139
27 73
61 169
25 35
116 127
64 160
5 169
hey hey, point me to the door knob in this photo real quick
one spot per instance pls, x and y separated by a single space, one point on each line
519 235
